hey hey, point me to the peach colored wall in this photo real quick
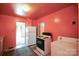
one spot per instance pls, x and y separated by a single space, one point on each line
78 20
64 27
8 29
78 29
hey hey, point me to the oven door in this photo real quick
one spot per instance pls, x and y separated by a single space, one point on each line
40 43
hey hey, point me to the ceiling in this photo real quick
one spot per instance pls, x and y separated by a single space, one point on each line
37 9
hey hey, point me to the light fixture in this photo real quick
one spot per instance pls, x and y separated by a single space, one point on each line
21 9
56 20
26 7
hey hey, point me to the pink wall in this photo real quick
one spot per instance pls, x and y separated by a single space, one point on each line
64 27
8 29
78 29
78 20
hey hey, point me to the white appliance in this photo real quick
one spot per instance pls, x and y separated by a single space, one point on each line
31 35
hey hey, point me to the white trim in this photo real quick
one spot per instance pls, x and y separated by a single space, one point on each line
6 50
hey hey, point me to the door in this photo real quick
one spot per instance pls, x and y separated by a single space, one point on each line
41 28
20 34
31 35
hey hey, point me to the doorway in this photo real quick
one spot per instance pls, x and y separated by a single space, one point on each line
21 35
41 28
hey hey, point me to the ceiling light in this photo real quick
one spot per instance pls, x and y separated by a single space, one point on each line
26 8
21 9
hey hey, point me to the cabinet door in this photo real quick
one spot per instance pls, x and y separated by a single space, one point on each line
31 35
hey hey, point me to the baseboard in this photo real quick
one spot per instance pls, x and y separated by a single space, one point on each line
6 50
